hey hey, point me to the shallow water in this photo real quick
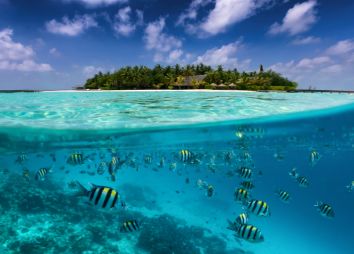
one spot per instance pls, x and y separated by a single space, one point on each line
160 188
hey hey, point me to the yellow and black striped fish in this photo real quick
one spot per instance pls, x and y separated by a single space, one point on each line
283 195
101 196
242 219
245 173
241 195
249 233
130 226
258 207
325 210
76 159
41 173
185 155
248 185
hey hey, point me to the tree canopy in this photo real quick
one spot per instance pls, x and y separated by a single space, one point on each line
174 77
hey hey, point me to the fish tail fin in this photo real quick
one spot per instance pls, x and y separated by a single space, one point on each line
82 190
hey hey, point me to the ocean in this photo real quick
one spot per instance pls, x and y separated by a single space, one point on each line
159 172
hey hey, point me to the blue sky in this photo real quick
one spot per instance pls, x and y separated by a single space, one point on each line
56 44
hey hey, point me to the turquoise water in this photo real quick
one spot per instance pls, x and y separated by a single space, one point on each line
165 191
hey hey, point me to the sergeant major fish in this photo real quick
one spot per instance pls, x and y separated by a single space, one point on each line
130 226
41 173
283 195
258 207
100 196
325 210
249 233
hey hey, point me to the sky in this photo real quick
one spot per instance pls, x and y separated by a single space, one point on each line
58 44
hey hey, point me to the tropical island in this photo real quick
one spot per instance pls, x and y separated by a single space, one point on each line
198 76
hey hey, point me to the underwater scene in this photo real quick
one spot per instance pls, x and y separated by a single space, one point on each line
176 172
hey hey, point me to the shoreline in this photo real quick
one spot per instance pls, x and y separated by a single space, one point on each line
147 90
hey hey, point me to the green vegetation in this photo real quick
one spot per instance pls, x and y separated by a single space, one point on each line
190 76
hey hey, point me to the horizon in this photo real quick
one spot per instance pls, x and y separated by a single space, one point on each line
54 45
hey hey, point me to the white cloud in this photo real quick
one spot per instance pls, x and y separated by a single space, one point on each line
224 14
192 12
335 68
298 19
341 48
16 56
224 55
310 63
54 52
175 56
156 39
94 3
73 27
306 40
123 24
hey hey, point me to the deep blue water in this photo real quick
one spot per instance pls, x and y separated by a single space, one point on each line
175 214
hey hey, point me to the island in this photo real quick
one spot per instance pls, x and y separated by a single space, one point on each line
198 76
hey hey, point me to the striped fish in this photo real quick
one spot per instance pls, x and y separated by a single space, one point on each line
147 159
76 159
21 158
249 233
325 210
258 207
303 182
283 195
245 173
242 219
248 185
185 155
314 157
41 173
130 226
101 196
241 195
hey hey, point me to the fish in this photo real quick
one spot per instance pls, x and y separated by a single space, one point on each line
325 210
185 155
241 195
147 159
248 185
242 219
101 168
210 190
100 196
76 159
26 174
173 166
302 180
41 173
21 158
130 226
350 187
314 157
161 163
245 173
258 207
249 233
283 195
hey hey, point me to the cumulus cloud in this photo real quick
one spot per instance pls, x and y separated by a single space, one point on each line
341 48
16 56
74 27
95 3
167 47
54 52
123 24
192 11
306 40
224 14
224 55
298 19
